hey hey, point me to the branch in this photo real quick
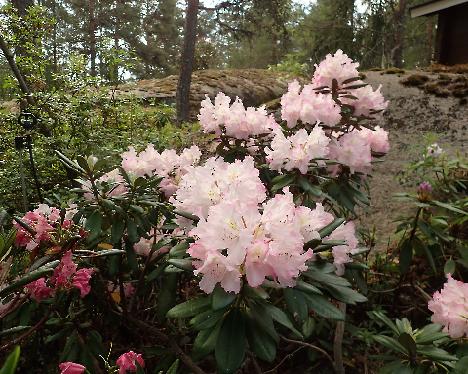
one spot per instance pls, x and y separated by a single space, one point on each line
166 339
314 347
338 342
37 326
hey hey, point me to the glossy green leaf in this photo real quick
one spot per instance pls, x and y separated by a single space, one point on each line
189 308
231 343
11 362
221 298
320 305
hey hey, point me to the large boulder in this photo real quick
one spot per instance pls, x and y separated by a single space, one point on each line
253 86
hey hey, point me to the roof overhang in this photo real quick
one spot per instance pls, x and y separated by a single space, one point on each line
432 7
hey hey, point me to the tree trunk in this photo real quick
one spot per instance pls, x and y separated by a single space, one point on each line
186 61
22 6
399 18
16 71
92 36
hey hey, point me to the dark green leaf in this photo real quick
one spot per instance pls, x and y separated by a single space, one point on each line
323 307
231 343
221 298
189 308
406 256
9 367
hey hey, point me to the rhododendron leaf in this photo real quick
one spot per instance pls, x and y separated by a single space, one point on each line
406 255
221 298
117 229
327 230
326 278
189 308
24 225
449 267
449 207
71 349
181 263
255 293
436 353
170 269
320 305
132 231
207 320
296 303
390 343
186 215
69 163
396 367
429 334
380 316
350 80
355 86
83 163
179 249
14 330
279 316
307 287
345 294
28 278
205 341
308 187
167 295
9 367
173 369
308 327
156 273
262 345
282 181
93 225
461 367
407 341
263 319
231 343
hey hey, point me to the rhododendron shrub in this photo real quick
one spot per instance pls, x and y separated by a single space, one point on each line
252 244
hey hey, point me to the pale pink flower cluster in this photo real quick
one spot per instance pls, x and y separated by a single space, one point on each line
450 307
43 221
236 120
308 106
66 276
168 164
128 362
205 186
353 149
337 66
341 253
236 239
298 150
367 101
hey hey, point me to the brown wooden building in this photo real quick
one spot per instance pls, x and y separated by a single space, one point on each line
451 44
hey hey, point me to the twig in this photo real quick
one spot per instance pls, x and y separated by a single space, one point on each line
166 339
338 341
285 358
305 344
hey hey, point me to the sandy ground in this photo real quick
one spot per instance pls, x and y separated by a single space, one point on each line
411 116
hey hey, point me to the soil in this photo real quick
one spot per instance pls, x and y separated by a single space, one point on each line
411 117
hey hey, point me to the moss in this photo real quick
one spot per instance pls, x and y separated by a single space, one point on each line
415 80
393 70
436 89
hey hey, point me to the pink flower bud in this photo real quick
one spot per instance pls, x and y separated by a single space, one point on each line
71 368
127 362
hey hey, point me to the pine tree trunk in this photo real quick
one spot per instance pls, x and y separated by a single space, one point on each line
92 36
399 18
186 61
22 6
